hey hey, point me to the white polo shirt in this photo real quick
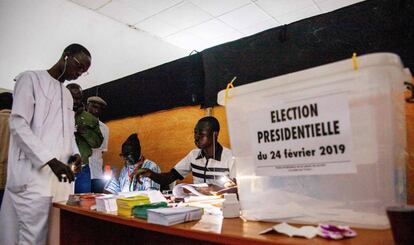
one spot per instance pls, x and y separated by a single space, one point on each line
207 170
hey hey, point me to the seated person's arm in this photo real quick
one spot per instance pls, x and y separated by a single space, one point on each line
162 178
229 186
146 182
183 166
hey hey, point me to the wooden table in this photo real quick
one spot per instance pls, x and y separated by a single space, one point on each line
82 226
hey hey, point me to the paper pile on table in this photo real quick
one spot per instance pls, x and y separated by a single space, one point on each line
172 216
106 204
125 204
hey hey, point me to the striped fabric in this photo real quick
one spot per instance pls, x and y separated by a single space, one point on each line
123 183
205 170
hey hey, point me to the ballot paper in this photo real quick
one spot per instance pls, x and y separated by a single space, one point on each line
212 207
284 228
190 193
106 203
172 216
156 196
179 190
153 195
201 198
209 223
131 193
126 204
327 231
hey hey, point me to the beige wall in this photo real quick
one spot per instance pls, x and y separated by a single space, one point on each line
409 112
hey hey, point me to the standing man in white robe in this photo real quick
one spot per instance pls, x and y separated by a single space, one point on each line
43 152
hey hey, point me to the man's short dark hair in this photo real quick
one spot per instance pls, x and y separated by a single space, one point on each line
212 122
75 48
6 100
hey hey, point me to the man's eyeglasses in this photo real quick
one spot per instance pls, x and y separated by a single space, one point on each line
81 67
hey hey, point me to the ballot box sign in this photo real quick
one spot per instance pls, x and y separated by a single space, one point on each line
307 136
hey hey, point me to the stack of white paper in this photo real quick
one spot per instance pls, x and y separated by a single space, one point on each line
106 203
172 216
154 195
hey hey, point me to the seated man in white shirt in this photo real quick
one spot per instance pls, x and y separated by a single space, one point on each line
209 163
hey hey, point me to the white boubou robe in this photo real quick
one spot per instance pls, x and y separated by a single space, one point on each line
42 128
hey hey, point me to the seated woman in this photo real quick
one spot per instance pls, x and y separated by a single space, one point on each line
134 162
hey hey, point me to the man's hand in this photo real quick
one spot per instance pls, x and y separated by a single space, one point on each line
229 187
230 183
232 189
61 170
75 162
212 189
140 173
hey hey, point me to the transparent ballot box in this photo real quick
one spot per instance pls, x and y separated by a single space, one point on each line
322 145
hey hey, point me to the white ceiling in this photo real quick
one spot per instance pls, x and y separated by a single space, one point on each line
200 24
129 36
34 34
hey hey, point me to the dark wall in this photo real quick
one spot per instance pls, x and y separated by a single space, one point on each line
170 85
366 27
